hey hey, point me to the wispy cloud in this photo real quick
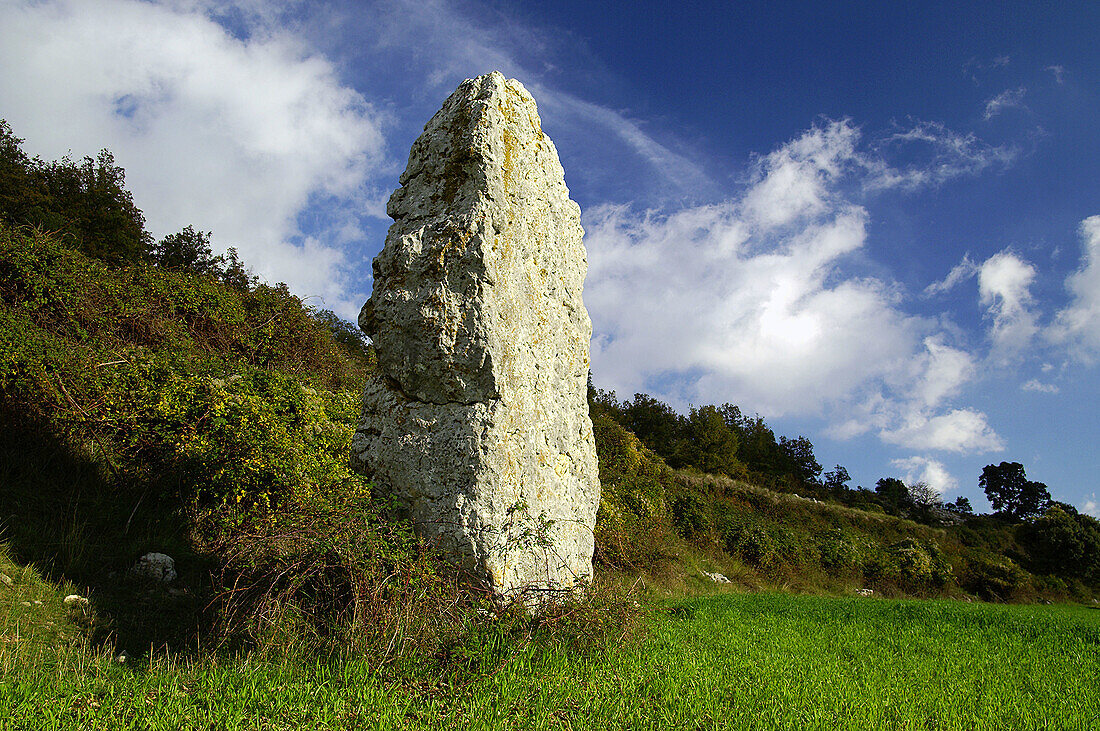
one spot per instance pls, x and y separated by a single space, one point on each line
1008 99
936 154
1039 387
961 272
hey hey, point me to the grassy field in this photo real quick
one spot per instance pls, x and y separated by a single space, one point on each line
726 661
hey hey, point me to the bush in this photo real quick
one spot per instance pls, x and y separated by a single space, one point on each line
994 578
838 553
689 515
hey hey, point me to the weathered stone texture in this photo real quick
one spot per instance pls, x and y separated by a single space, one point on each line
478 424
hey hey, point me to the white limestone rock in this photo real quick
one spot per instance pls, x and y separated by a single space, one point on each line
478 424
155 567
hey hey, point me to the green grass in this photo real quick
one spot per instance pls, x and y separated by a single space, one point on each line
729 661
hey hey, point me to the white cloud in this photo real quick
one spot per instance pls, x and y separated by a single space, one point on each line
926 470
1004 282
1039 387
793 182
1078 325
960 430
961 272
233 135
938 155
1008 99
749 301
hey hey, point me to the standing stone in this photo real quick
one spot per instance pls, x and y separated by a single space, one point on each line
477 423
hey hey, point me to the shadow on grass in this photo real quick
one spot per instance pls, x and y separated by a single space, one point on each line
68 513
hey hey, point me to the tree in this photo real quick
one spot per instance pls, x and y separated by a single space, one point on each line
190 250
800 453
836 481
1063 542
87 202
713 445
1010 492
961 506
925 499
893 493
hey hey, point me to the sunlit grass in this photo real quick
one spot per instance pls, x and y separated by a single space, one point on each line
731 661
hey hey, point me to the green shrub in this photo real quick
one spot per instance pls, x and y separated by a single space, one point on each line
689 515
838 553
995 578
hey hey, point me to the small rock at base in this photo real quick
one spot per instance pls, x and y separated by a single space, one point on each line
155 566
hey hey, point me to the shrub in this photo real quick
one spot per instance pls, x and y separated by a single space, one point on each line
837 552
689 515
995 578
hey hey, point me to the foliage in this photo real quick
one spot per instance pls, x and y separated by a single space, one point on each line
894 494
1009 491
1063 542
86 202
714 439
995 578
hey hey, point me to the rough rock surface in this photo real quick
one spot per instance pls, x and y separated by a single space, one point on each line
155 567
478 423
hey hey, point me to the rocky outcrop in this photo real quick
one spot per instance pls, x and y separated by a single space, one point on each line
477 424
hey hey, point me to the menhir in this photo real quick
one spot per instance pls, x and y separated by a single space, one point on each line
477 424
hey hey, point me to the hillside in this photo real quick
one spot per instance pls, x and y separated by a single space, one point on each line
152 409
158 398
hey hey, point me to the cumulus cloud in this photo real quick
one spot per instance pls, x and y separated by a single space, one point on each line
237 134
1078 325
926 470
1004 282
959 430
1008 99
750 301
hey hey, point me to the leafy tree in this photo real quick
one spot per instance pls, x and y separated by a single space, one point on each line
800 454
961 506
836 481
87 201
236 275
713 445
1010 492
92 198
894 494
189 250
656 423
1063 542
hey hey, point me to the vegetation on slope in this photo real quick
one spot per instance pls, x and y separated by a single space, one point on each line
156 397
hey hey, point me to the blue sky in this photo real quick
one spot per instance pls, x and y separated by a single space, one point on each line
877 225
